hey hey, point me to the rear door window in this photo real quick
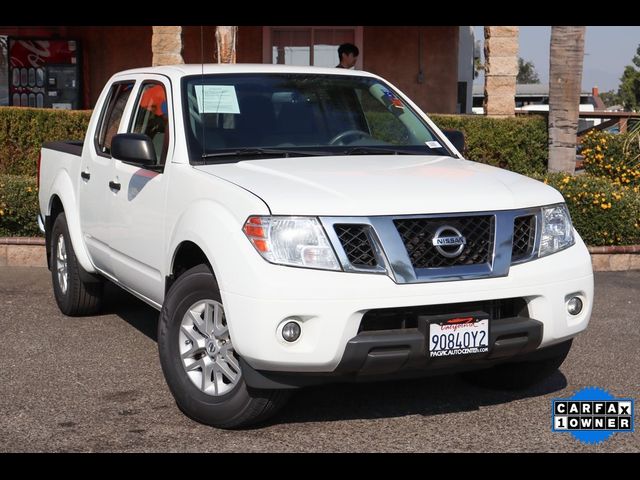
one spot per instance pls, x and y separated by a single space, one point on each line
111 116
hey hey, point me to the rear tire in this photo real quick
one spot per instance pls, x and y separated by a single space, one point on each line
198 361
74 296
520 375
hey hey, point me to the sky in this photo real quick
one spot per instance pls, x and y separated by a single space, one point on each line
607 51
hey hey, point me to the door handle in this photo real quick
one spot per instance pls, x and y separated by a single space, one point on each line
85 175
114 185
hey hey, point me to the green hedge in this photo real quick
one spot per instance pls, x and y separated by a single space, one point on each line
23 130
603 212
18 206
519 144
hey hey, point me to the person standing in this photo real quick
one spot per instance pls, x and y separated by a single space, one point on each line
348 55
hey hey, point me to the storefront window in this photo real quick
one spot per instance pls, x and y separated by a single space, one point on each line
305 46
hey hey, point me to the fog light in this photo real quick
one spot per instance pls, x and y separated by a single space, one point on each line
291 331
574 306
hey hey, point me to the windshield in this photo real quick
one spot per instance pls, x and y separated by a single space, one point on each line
300 114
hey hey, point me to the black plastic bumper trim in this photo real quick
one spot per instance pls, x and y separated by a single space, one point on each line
402 353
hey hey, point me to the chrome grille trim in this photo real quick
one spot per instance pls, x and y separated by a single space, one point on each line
357 244
330 223
477 230
392 257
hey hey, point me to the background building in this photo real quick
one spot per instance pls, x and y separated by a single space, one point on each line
67 66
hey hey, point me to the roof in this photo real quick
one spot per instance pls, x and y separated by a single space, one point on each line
524 90
213 68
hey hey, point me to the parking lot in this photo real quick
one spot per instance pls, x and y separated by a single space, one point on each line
95 385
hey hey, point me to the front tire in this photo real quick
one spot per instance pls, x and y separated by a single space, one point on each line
198 360
74 295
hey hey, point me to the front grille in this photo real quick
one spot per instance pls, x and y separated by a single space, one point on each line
407 317
524 235
417 235
356 244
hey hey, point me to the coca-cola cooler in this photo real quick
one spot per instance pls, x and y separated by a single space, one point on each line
44 73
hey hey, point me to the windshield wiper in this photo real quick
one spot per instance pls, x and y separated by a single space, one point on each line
256 151
363 150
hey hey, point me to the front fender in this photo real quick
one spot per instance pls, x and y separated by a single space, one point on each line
218 233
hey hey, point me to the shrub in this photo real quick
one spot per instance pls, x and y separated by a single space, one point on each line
603 212
604 204
18 206
386 127
23 130
518 144
612 156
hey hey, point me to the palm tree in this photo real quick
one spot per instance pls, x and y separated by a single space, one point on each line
565 80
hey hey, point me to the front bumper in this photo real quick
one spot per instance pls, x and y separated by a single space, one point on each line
403 354
330 306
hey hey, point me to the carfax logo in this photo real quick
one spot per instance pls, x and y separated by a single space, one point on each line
592 415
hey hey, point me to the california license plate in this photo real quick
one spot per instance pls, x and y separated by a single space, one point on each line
464 335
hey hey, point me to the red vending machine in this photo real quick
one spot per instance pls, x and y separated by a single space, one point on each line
44 73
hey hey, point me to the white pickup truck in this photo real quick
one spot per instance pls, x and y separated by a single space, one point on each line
300 225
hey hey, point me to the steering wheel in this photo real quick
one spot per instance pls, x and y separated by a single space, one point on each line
347 133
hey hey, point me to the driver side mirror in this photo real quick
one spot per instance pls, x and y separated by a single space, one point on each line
456 137
133 148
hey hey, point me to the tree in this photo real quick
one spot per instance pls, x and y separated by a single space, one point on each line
610 98
526 72
565 79
629 90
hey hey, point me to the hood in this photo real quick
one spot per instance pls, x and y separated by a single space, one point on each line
369 185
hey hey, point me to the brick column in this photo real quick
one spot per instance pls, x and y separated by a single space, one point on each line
501 69
226 43
166 45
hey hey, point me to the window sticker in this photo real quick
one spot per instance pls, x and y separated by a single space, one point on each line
217 99
391 100
433 144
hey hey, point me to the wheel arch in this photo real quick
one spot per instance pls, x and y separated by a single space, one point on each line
209 231
55 208
63 199
186 255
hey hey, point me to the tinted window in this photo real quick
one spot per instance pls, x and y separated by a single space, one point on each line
112 114
322 112
151 118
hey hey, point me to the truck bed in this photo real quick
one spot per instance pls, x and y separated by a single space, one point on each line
74 147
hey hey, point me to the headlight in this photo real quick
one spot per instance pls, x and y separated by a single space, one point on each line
557 230
296 241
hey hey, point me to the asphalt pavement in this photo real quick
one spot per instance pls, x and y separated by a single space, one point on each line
95 385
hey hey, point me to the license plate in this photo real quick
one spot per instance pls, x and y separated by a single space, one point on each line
463 335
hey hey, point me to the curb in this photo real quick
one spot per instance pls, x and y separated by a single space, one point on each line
22 252
615 258
30 252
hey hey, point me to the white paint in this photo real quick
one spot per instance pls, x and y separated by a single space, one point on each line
132 236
